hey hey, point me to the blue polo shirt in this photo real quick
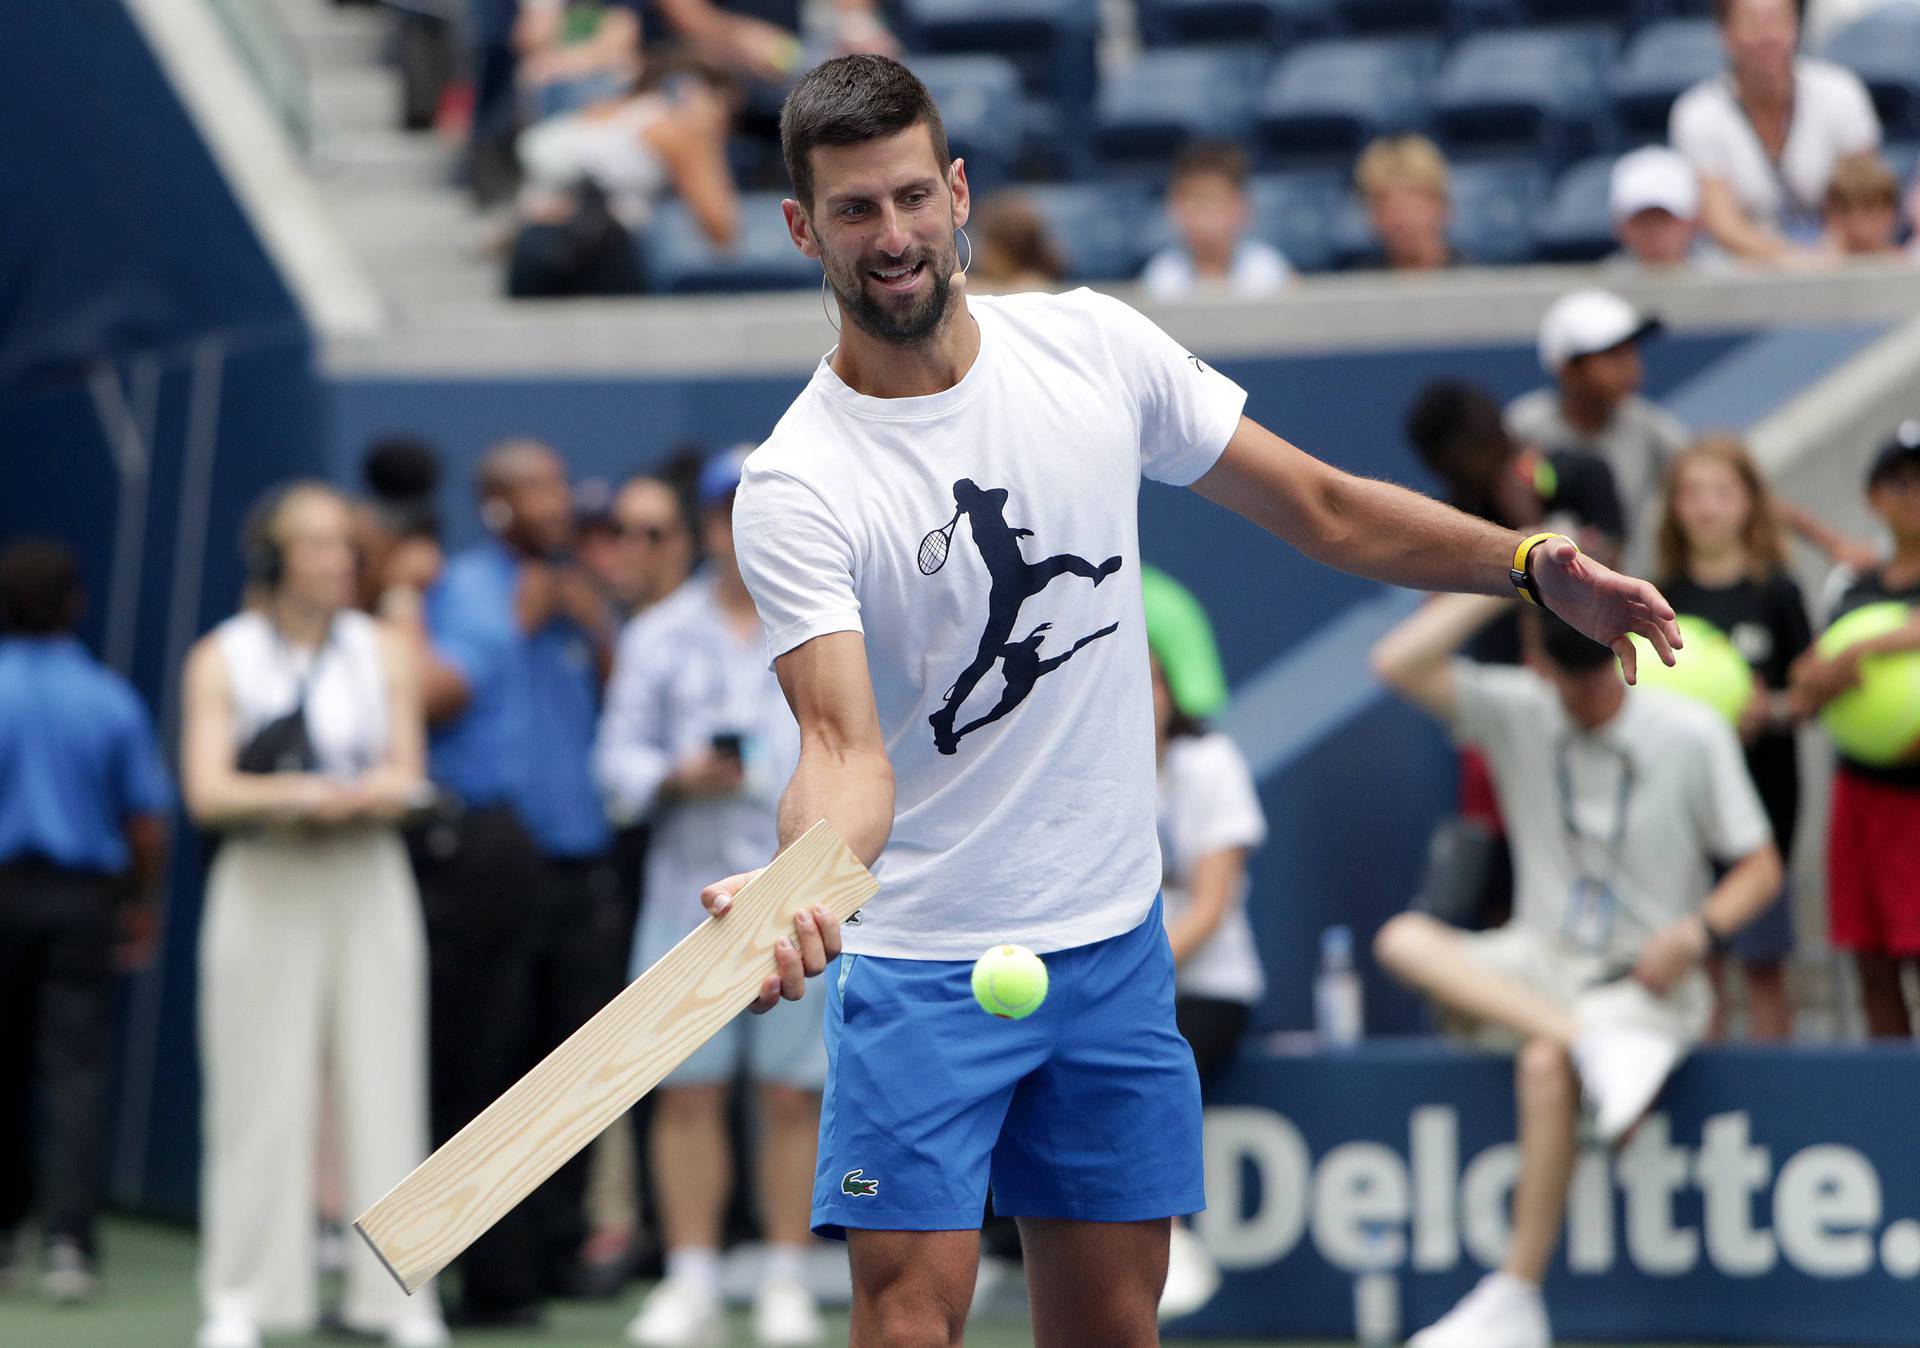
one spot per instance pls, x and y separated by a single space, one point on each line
526 737
77 757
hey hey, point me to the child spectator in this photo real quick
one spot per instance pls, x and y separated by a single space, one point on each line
1862 208
1405 183
1873 867
1207 202
1653 197
1721 556
1017 250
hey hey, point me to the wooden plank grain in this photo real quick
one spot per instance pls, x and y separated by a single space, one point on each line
604 1067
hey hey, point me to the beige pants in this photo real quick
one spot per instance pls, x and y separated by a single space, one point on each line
312 950
1583 986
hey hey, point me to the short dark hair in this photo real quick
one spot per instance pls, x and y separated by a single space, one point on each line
39 587
1567 649
1448 413
852 99
1211 157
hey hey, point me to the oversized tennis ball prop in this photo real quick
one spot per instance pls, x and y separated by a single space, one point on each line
1710 668
1876 722
1010 982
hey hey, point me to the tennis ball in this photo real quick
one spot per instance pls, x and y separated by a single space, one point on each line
1876 722
1009 981
1709 668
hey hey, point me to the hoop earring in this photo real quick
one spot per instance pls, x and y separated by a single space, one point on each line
823 301
968 264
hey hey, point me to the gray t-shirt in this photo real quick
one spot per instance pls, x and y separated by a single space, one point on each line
1636 444
1613 831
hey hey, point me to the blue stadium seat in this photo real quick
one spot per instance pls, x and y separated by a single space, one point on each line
974 94
1577 225
1540 91
1330 98
1097 225
1400 16
1494 207
1275 22
1903 157
1662 62
679 260
1171 95
1884 50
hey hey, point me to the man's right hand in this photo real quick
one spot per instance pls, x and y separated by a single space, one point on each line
537 595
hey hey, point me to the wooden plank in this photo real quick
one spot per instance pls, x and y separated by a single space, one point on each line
606 1065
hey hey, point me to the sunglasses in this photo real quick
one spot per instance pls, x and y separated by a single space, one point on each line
653 535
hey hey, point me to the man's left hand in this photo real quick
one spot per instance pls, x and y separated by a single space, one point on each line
1603 604
1671 953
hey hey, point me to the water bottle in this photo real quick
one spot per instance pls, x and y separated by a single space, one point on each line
1376 1291
1336 991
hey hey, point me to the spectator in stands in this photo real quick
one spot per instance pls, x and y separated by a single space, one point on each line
1210 819
397 529
1016 249
1616 801
1654 199
698 737
1214 254
521 903
767 44
1590 347
1873 867
1405 183
656 542
1721 555
1862 208
572 53
594 176
1765 136
302 745
83 805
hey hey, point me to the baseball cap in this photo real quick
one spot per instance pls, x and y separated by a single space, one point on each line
1653 177
1181 639
1585 321
1903 446
720 475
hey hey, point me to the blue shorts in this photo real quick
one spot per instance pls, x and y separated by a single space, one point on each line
1089 1109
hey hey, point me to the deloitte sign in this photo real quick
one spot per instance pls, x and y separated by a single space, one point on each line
1775 1197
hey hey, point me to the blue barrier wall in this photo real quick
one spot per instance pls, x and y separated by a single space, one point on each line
1772 1196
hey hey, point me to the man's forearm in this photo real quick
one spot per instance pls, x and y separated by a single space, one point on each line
1388 533
1743 892
851 791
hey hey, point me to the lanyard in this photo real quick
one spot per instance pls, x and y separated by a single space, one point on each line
1616 838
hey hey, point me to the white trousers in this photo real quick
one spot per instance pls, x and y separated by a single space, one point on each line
312 951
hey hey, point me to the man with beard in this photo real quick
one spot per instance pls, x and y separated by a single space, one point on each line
1039 827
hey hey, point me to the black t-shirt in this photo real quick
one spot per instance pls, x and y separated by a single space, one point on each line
1871 588
1767 622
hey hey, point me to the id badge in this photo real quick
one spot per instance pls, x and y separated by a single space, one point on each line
1589 920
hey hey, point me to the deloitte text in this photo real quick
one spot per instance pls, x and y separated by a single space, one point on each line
1362 1204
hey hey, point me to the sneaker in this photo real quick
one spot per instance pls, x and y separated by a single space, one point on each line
784 1316
678 1315
1621 1071
1192 1275
68 1276
1500 1312
418 1331
230 1331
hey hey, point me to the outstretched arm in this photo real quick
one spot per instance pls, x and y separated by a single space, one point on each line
1388 533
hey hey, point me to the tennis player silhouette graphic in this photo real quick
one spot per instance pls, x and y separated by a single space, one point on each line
1014 581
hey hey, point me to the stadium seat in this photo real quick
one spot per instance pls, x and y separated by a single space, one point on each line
1171 95
1540 91
1275 22
974 94
1903 157
1576 225
679 259
1097 225
1330 98
1423 17
1662 62
1884 50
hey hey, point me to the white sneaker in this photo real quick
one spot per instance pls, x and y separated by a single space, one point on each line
1621 1071
68 1276
418 1331
784 1316
1500 1312
679 1315
229 1331
1192 1275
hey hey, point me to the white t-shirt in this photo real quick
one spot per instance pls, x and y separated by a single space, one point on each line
1031 819
1208 804
1613 831
1832 117
1258 270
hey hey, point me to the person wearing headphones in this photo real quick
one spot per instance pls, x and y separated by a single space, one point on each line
302 746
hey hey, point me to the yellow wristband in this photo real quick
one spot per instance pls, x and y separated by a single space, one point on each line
1523 579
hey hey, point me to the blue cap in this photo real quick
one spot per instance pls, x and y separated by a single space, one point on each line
720 475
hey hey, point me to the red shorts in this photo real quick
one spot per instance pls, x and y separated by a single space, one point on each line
1873 866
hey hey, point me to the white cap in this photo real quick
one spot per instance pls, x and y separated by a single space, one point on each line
1586 321
1653 177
